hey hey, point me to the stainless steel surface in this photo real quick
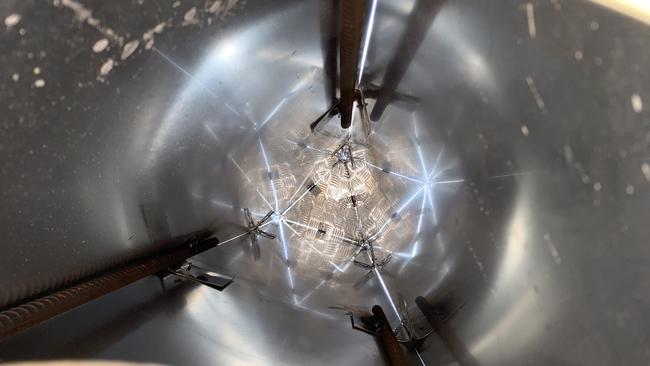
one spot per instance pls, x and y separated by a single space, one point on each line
515 153
28 314
189 324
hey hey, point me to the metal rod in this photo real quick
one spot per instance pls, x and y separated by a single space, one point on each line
417 26
352 13
24 316
395 353
363 111
449 338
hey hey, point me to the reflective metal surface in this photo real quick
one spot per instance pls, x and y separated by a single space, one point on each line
507 178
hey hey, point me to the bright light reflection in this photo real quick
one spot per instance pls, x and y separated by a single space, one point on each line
367 37
390 300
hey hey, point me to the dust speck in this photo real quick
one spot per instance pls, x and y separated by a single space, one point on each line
524 130
176 4
100 45
15 77
37 70
568 154
594 25
629 189
556 5
129 48
598 60
578 55
598 186
39 83
637 103
12 20
106 67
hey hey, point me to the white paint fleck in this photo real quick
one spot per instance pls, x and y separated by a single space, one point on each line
106 67
551 247
81 12
629 189
85 15
39 83
176 4
100 45
148 36
594 25
578 55
37 70
524 130
220 7
12 20
637 103
190 17
645 169
15 76
597 186
129 48
215 7
536 95
530 14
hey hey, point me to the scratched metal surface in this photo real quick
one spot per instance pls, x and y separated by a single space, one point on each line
508 177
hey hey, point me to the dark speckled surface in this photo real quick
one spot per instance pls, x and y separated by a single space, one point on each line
530 150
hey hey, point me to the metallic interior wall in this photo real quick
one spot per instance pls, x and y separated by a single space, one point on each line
514 148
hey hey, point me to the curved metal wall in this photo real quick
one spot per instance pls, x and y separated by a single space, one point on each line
513 151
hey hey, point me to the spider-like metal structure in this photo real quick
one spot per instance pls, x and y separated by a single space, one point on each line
255 230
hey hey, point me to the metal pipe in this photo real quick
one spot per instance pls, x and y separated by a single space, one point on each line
350 25
449 338
395 354
24 316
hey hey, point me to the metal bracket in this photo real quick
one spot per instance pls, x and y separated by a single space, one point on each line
331 112
200 275
365 118
364 322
